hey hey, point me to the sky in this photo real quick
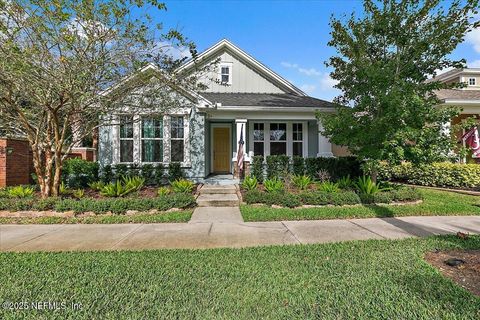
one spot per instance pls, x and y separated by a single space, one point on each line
290 37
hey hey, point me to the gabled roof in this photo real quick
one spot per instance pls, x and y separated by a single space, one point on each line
244 57
455 73
152 69
281 100
459 96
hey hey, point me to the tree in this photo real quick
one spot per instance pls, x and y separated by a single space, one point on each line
384 62
57 59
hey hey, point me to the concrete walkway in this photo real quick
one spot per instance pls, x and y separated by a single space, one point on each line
229 232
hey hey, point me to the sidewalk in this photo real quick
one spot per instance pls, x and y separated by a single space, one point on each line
223 234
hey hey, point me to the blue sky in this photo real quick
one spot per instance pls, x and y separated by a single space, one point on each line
290 37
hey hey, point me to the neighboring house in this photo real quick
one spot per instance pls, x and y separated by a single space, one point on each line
249 99
468 98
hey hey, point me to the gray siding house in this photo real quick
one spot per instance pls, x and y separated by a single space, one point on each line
273 116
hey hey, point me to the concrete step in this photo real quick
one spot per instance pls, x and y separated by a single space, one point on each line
218 200
209 189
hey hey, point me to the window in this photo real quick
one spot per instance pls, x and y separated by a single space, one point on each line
472 81
258 139
225 74
177 139
126 138
278 138
297 139
152 139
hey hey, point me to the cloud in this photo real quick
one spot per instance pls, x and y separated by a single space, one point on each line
289 65
473 37
308 88
474 64
310 72
327 83
173 51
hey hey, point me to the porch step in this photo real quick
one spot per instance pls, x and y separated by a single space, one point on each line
216 189
218 200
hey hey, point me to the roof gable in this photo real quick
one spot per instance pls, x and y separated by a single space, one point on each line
249 75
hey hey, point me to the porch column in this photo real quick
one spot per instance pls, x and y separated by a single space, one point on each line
324 145
241 128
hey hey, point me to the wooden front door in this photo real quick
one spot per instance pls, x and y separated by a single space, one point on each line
221 149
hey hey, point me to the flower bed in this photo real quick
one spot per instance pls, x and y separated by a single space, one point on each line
344 192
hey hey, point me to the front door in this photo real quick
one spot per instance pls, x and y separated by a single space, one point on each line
221 150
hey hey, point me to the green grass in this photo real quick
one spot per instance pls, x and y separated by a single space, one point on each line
375 279
176 216
435 202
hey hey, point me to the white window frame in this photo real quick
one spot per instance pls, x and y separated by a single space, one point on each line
266 148
150 116
470 81
177 139
228 65
120 139
253 137
303 136
137 127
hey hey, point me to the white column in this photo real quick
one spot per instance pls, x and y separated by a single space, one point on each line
324 145
239 131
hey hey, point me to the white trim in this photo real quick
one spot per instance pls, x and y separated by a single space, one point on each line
289 141
220 125
261 68
228 65
268 108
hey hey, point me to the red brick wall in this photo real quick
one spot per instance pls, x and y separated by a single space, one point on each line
16 162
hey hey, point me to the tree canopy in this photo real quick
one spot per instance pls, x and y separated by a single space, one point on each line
385 63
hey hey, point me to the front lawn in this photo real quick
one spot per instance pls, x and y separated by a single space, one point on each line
376 279
435 202
159 217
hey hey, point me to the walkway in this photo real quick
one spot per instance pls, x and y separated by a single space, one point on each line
223 232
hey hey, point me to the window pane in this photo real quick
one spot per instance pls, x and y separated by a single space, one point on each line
297 131
177 127
126 127
152 128
126 150
258 132
278 148
177 150
152 151
278 131
258 148
298 149
225 70
225 78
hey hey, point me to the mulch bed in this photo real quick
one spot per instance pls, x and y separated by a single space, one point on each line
466 275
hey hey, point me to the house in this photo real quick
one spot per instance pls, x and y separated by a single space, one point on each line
273 116
467 98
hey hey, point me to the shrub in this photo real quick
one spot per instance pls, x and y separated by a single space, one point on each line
159 174
163 191
336 167
182 186
298 166
20 191
329 187
257 168
147 173
107 174
277 166
77 173
175 171
133 170
249 183
96 185
366 186
134 182
121 170
301 181
79 193
284 199
273 185
116 189
345 183
441 174
402 194
329 198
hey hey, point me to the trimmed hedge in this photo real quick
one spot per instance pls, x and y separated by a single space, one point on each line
336 167
442 174
78 173
396 195
326 198
116 206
